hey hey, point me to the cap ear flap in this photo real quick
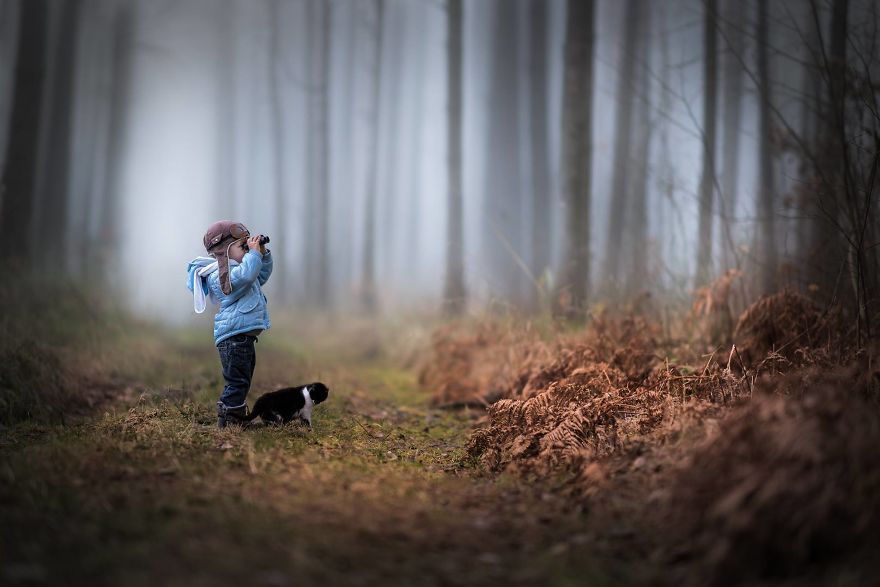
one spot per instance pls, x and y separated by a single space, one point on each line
225 281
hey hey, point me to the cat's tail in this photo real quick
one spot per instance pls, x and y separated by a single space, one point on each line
255 411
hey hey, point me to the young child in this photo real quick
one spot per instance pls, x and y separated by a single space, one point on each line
232 277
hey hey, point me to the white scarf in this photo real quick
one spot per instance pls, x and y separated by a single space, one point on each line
210 266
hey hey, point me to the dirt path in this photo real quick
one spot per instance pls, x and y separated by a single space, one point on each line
149 491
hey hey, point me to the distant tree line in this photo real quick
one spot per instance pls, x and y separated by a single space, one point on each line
801 75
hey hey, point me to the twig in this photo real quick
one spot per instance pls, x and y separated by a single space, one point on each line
370 434
745 371
712 356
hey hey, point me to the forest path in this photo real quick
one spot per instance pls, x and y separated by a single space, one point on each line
381 491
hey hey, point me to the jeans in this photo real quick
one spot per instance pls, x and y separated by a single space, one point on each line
238 359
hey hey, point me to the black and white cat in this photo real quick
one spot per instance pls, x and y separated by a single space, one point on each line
285 405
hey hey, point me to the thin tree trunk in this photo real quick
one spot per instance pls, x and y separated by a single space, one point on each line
98 157
368 286
765 161
707 178
625 99
828 242
227 80
502 204
541 197
389 206
343 153
413 225
811 89
104 253
454 291
577 106
637 245
664 164
322 284
733 90
52 224
279 144
19 177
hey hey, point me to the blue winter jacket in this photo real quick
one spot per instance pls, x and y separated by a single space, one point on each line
244 309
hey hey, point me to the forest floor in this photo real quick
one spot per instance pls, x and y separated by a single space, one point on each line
608 456
144 489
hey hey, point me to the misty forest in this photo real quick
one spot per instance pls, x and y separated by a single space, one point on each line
594 286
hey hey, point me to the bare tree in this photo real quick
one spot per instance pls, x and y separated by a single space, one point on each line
707 177
502 202
389 204
50 237
539 14
625 99
227 80
765 160
454 290
368 284
732 105
317 59
637 241
413 224
118 137
274 62
19 179
576 154
829 242
322 148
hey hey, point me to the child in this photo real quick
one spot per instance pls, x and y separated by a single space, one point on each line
232 276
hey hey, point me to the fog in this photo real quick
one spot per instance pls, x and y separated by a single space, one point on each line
189 111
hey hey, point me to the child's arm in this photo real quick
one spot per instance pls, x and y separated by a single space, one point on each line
266 271
246 272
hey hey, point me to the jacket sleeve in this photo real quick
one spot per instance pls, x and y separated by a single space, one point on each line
266 271
245 273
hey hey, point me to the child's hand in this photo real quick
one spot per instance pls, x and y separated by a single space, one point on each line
253 244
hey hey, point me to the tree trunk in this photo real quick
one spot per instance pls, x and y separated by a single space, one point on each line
19 177
577 107
542 230
829 247
104 251
322 148
413 225
502 204
274 62
765 161
50 229
368 286
454 292
811 90
625 100
389 205
93 129
227 80
707 178
637 241
733 90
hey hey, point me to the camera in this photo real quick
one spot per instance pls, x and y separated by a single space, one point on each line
264 239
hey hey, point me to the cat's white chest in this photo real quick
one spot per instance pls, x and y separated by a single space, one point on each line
306 412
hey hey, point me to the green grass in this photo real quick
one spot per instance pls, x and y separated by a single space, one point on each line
145 489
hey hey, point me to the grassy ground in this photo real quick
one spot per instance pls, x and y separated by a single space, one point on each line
145 489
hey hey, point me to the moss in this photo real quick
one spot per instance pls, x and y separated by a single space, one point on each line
376 492
145 488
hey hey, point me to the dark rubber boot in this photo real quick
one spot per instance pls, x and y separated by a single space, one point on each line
227 416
